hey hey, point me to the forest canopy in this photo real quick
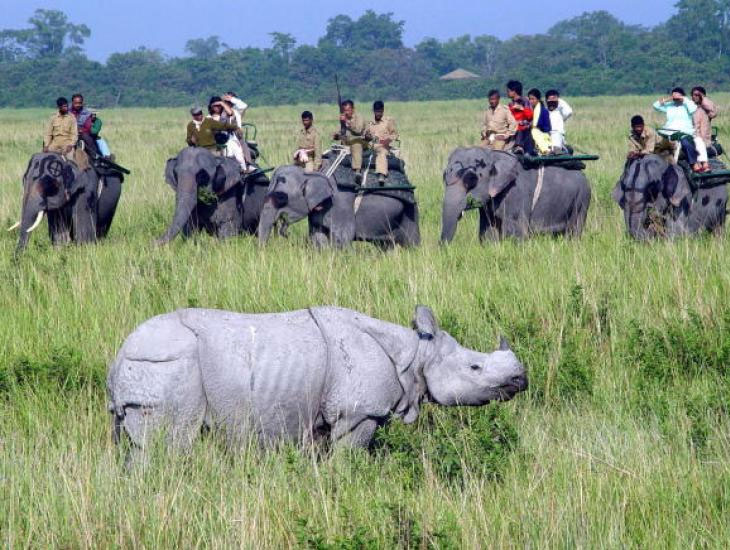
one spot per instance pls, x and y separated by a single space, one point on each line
591 54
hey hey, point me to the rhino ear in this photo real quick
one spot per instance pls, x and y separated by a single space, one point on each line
503 344
425 323
170 176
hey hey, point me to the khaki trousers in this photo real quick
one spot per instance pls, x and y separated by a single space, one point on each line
356 148
381 159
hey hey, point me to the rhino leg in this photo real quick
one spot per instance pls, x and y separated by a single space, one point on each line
354 433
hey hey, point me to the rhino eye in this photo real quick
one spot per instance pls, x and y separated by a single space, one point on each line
476 367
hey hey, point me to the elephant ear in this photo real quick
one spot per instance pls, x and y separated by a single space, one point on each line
69 176
316 190
654 168
675 186
170 175
502 172
227 176
618 194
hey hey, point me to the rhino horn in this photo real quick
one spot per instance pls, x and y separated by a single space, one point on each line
503 344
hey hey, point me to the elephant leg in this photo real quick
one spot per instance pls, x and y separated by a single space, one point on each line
408 232
83 216
350 433
227 216
106 206
59 226
488 225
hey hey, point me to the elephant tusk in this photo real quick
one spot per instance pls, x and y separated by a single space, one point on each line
14 226
37 222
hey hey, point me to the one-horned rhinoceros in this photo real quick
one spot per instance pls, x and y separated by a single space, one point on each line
299 376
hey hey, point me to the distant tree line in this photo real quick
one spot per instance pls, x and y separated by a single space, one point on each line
591 54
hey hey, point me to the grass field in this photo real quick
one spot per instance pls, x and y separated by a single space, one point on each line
623 439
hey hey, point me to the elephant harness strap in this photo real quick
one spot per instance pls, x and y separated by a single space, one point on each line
538 187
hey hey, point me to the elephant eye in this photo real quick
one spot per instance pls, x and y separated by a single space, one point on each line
476 367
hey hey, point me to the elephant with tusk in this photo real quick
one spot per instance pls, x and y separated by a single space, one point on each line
323 373
70 197
514 201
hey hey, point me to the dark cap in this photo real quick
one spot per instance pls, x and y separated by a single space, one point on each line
197 110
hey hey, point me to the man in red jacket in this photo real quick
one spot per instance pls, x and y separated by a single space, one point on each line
522 111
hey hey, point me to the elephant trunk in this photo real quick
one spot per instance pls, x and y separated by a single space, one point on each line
269 215
454 205
186 199
635 221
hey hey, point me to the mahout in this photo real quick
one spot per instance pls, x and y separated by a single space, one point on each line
212 194
323 374
513 200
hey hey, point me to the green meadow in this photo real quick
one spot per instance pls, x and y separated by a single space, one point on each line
622 440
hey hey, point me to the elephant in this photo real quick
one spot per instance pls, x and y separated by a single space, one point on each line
317 375
335 213
210 195
658 200
80 203
506 191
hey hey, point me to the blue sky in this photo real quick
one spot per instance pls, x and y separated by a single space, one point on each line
121 25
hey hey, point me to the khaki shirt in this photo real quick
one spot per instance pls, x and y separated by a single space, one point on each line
355 126
385 129
310 141
208 129
192 137
499 121
645 144
61 131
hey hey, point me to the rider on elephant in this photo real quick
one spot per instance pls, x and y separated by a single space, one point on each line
353 137
212 132
61 133
383 132
308 154
84 122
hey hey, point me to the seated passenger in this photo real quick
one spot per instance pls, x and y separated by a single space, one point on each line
540 122
62 132
101 143
309 145
236 146
521 110
679 111
383 132
560 111
84 123
702 117
213 132
642 139
194 126
500 127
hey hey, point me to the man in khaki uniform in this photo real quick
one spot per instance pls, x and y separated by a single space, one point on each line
61 133
354 130
500 127
383 132
194 126
309 145
642 140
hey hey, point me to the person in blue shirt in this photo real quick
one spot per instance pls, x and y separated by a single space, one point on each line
680 110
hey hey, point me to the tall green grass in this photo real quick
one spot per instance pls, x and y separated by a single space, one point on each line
621 440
